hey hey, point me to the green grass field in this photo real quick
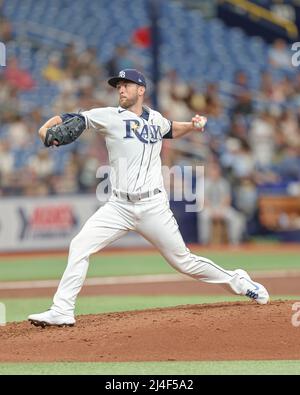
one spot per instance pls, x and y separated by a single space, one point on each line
36 268
155 368
137 264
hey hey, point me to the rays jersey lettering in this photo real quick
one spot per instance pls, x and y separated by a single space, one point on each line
133 144
145 133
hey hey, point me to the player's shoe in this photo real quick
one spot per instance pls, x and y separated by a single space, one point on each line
252 289
51 318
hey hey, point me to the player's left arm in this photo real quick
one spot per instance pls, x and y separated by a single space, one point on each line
62 130
197 124
56 120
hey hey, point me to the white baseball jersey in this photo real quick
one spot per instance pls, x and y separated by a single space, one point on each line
133 143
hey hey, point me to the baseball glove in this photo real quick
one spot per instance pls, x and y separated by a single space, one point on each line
66 132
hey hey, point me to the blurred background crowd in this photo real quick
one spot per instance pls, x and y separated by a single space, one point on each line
59 62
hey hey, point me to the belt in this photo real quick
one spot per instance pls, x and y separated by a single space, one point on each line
135 197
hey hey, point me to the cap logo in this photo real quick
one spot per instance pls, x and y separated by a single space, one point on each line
140 80
122 74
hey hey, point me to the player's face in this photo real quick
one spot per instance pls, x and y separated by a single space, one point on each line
129 93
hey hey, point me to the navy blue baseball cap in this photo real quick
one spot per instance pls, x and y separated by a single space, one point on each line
132 75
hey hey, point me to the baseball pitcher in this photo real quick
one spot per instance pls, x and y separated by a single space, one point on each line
133 133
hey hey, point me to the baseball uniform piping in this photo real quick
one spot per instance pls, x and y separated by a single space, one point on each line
140 167
148 163
216 267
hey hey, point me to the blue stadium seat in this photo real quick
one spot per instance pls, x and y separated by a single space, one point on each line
214 53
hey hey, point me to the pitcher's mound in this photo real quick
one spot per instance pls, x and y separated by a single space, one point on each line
223 331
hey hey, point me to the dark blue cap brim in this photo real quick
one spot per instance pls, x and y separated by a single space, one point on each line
114 81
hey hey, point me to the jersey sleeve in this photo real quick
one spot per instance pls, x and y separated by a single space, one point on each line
96 119
166 128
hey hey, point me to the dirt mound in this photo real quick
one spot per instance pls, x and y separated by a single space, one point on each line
222 331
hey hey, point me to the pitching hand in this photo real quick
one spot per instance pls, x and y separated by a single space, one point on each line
199 122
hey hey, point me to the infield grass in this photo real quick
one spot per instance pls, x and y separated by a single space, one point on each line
41 268
155 368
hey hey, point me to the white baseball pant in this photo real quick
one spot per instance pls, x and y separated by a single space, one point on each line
153 219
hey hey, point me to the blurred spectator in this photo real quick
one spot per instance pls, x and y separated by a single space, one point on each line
6 164
289 125
217 207
8 99
266 86
239 127
195 100
238 160
172 95
241 87
261 139
53 72
243 104
282 91
289 166
212 91
16 77
88 174
246 196
65 102
18 135
6 31
67 183
295 94
142 37
279 55
241 80
33 120
42 164
122 59
68 56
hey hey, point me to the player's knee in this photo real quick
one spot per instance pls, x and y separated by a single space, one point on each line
81 247
191 264
75 243
181 262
